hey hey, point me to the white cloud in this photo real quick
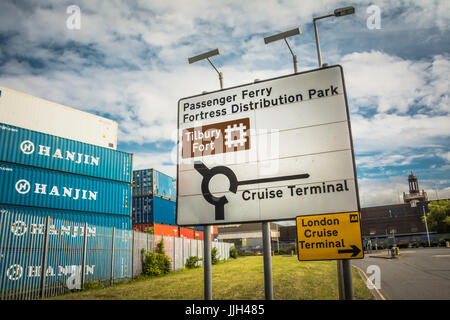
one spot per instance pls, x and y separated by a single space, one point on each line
158 161
384 160
375 192
444 155
408 99
390 132
391 83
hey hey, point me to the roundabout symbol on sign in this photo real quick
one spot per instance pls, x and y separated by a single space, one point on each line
219 203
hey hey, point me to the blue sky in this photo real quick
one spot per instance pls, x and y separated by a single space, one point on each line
128 62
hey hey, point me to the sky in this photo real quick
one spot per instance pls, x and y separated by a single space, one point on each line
127 61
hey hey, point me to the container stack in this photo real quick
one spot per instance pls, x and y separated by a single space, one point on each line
154 202
154 196
59 162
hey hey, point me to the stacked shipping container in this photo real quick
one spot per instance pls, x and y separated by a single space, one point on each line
47 175
25 111
154 195
152 182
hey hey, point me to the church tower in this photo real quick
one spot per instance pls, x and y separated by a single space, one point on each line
414 196
413 184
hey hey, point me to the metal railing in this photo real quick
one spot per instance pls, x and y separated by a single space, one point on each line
43 257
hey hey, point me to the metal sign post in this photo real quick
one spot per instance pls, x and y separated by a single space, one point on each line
340 277
207 273
347 280
268 284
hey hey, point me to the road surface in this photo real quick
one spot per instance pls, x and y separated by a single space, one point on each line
422 273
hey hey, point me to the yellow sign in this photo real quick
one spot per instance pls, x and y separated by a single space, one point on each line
329 237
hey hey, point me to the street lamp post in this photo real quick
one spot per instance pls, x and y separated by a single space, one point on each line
337 13
283 36
207 268
267 239
344 268
206 56
426 224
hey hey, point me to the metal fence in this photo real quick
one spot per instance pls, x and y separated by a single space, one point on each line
178 249
43 257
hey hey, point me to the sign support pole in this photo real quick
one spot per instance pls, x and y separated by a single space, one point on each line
345 282
268 285
340 279
207 274
347 279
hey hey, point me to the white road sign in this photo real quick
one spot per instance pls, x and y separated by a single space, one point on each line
272 150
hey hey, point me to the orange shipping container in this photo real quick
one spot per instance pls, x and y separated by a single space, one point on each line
187 233
199 235
170 231
158 229
165 230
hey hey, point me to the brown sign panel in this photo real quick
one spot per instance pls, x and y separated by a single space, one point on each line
222 137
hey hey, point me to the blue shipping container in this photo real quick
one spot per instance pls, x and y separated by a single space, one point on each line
22 232
153 209
152 182
164 185
105 220
142 182
29 186
18 145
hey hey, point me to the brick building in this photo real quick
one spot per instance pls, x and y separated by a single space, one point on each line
394 219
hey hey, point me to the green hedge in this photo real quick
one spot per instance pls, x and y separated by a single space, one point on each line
155 264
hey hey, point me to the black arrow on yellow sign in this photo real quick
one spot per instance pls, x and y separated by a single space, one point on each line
355 250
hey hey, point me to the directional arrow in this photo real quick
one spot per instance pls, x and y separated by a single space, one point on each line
355 250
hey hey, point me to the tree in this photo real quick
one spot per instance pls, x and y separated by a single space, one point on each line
155 264
214 258
438 219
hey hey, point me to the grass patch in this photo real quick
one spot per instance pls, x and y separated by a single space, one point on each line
236 279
